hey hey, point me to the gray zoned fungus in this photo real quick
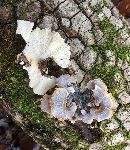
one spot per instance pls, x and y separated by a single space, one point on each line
68 102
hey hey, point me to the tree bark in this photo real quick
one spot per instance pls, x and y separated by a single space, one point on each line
99 40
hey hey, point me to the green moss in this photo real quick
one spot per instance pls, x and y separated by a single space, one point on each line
108 40
70 135
111 42
107 75
128 136
23 100
110 33
98 7
123 52
117 147
8 1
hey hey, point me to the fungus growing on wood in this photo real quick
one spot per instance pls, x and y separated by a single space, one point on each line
103 101
24 28
41 45
63 97
60 106
94 103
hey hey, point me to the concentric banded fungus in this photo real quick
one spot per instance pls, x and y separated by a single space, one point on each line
58 104
103 101
61 108
41 44
95 103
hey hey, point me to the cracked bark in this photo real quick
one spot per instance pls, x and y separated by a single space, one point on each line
81 34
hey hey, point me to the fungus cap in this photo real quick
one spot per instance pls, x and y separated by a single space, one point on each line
103 99
41 44
24 28
59 107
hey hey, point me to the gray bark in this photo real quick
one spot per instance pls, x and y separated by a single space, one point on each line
98 37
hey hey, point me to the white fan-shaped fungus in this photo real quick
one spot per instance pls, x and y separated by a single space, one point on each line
40 84
41 45
24 28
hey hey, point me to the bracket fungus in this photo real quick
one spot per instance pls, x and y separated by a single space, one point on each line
66 101
41 45
98 103
94 103
104 102
60 108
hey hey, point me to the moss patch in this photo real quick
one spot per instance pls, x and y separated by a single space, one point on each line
23 100
110 41
117 147
21 97
107 74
